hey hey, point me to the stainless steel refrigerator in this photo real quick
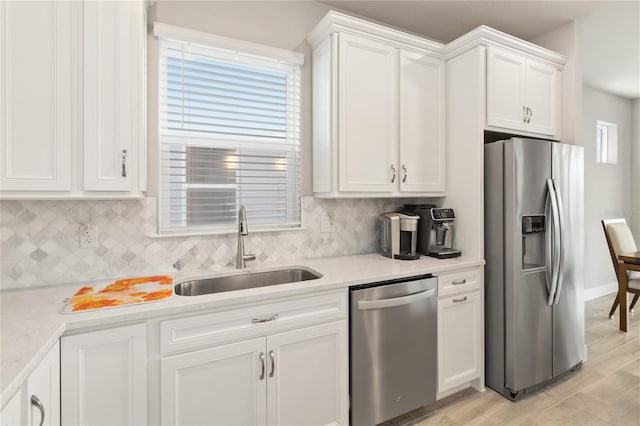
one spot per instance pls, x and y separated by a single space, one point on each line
534 249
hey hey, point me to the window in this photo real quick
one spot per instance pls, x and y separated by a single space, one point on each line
229 136
606 142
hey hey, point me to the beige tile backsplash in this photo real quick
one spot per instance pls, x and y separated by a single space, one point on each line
40 241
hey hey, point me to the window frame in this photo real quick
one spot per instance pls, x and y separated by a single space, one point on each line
606 142
283 61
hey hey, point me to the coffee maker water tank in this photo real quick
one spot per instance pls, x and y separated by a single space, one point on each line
424 212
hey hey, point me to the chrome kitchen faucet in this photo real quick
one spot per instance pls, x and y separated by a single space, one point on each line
243 230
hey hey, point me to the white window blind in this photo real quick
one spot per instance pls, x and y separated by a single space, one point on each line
229 128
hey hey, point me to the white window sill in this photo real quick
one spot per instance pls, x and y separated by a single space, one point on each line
225 232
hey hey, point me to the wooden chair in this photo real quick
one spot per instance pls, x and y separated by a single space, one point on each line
620 240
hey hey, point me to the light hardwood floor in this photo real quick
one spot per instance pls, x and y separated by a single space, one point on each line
606 391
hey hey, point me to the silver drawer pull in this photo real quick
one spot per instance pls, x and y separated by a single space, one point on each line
262 362
35 401
260 321
460 300
458 282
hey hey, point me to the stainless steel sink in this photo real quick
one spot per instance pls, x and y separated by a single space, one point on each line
244 281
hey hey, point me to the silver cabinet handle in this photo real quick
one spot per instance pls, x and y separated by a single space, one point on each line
530 114
273 363
261 320
524 114
262 362
35 401
458 282
404 169
464 299
393 170
124 163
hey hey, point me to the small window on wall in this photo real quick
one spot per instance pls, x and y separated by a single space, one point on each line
606 142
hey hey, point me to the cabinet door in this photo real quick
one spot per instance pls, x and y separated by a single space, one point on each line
43 389
105 377
543 98
367 115
421 119
112 76
223 385
505 89
459 340
11 414
35 95
307 376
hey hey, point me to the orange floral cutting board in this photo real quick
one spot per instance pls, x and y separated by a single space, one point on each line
128 291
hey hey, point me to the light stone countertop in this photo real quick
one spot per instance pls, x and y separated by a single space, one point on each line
31 323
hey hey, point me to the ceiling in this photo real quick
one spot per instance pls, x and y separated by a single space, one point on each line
610 36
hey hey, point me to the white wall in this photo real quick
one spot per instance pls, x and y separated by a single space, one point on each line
635 169
607 186
283 24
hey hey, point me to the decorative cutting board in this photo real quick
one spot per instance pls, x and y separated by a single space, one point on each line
129 291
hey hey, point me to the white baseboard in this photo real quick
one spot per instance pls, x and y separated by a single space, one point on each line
603 290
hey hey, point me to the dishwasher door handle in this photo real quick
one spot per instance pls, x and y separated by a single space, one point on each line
395 301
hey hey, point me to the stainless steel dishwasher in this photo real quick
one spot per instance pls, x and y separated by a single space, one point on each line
392 348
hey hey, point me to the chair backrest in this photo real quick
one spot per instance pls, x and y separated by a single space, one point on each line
619 239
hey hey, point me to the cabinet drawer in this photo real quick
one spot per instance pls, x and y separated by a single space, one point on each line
459 282
243 322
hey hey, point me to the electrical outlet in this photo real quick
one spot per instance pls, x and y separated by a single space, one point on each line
88 236
328 224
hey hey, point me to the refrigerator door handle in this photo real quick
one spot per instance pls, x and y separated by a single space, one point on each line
560 254
555 270
548 244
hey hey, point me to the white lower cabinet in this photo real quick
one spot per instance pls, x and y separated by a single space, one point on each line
104 380
43 390
291 378
37 401
460 330
307 378
219 385
11 413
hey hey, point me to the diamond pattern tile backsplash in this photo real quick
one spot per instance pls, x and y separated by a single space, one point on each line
40 240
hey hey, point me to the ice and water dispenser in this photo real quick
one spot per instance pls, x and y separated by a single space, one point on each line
533 241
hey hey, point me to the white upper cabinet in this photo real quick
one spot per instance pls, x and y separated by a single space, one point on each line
543 98
522 94
72 99
378 111
367 115
421 99
112 87
36 87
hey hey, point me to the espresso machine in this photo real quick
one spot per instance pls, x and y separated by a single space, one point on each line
441 229
399 235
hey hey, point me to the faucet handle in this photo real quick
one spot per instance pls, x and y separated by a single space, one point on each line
249 256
